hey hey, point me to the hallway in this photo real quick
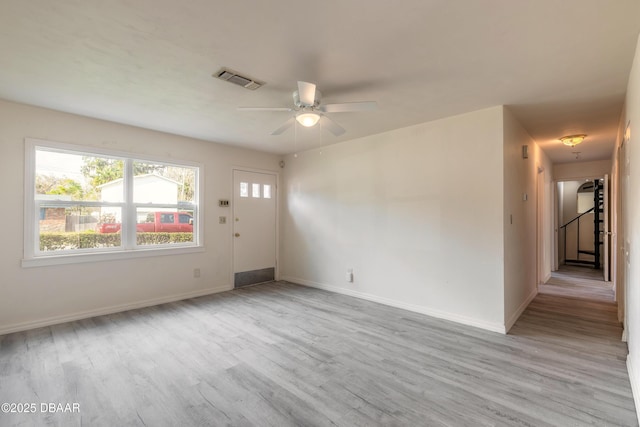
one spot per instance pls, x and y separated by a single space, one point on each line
579 282
576 310
583 339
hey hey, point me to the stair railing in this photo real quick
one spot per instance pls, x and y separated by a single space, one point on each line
578 234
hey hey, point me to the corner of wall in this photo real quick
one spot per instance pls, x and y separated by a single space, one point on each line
631 226
520 216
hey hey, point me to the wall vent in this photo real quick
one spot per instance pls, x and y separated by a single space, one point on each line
235 78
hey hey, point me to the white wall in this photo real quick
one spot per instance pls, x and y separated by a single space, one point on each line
416 212
520 218
581 170
40 295
631 196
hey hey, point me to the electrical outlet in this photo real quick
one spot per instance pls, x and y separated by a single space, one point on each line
222 220
350 275
196 272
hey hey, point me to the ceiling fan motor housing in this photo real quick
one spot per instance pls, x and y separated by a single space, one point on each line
297 103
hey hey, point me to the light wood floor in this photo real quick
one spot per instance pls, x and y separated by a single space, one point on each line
578 282
281 354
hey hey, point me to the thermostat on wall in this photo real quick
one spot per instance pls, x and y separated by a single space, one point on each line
223 203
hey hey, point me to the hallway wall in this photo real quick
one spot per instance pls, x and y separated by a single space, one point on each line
521 208
631 194
580 170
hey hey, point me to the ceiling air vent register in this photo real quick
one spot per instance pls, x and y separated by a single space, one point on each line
235 78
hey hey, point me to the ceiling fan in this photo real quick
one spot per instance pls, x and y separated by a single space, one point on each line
309 111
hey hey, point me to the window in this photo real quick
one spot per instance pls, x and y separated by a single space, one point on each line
585 197
266 191
166 218
84 202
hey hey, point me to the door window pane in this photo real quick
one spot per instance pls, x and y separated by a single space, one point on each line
255 190
244 189
266 191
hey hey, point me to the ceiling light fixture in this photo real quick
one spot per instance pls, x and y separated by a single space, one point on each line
308 119
573 140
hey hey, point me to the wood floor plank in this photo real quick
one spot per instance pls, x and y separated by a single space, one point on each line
280 354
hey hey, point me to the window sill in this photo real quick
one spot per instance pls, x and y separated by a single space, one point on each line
108 256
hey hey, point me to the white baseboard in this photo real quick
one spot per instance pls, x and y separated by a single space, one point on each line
489 326
635 386
515 316
24 326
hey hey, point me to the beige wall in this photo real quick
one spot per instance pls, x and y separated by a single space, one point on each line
40 295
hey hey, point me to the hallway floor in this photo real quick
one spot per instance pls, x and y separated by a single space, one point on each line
578 282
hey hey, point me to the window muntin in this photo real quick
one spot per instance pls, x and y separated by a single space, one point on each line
84 202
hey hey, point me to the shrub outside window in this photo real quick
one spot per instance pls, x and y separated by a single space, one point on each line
84 201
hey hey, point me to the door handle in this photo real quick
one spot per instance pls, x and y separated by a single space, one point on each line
237 234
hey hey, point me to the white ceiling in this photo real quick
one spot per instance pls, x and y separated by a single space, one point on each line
562 65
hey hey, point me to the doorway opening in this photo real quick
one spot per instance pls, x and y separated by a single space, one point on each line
582 241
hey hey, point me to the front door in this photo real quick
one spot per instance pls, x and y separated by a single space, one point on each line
254 227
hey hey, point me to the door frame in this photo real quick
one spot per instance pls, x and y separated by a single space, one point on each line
557 208
231 217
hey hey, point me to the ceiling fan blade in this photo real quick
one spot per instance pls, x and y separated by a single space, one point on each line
331 126
307 93
289 123
264 109
347 107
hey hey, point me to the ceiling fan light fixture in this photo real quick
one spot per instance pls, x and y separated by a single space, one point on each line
308 119
573 140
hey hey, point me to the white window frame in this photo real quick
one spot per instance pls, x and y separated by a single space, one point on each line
33 257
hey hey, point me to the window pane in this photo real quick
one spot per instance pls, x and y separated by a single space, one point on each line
66 176
79 201
266 193
163 184
244 189
161 227
255 190
78 227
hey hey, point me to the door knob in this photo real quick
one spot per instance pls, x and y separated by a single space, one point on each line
237 234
